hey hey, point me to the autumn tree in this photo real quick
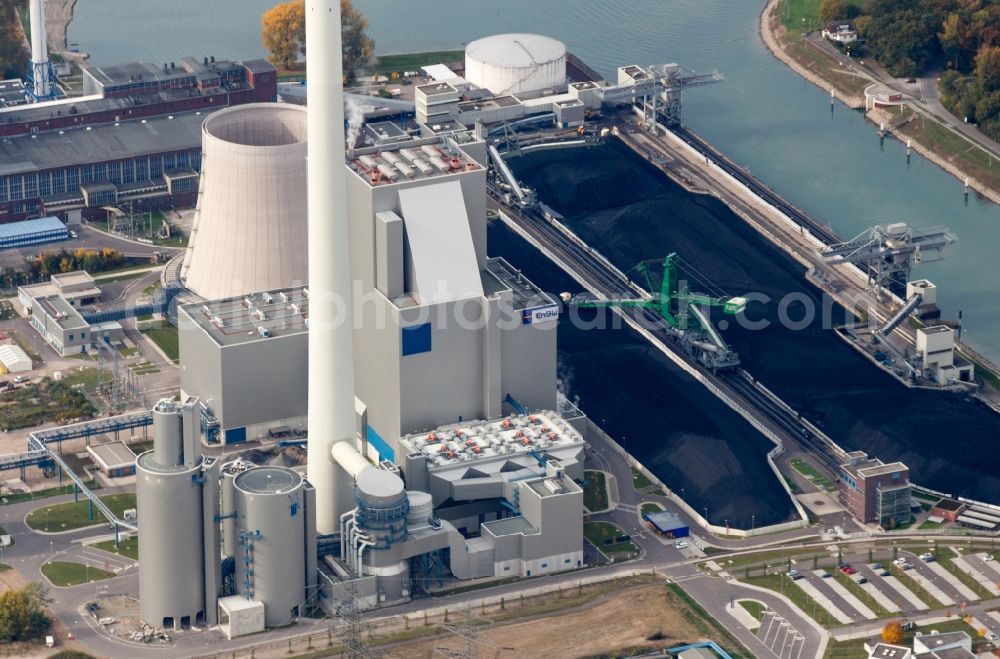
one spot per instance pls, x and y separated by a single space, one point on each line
892 632
283 31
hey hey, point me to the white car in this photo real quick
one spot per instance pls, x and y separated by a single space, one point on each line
900 561
988 557
927 558
680 544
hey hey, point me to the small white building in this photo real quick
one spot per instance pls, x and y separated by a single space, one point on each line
14 359
936 350
842 32
239 616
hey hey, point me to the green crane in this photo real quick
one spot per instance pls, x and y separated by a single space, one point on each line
676 305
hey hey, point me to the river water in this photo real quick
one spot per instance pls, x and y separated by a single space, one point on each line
763 116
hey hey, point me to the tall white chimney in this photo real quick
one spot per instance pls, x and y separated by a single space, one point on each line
331 358
41 84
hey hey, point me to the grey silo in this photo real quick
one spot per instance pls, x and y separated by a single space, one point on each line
271 563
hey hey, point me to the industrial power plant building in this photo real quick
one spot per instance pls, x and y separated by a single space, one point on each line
245 359
433 444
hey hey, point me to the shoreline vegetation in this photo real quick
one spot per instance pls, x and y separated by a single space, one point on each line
926 134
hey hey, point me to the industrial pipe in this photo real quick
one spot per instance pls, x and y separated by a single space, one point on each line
345 455
344 520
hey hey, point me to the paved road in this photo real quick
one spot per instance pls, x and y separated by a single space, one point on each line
923 93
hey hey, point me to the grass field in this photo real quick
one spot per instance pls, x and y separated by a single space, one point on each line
803 15
8 499
649 507
639 480
602 535
962 153
812 474
74 514
128 547
756 609
64 573
413 61
167 339
595 491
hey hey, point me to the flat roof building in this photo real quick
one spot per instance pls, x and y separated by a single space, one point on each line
668 524
59 323
32 232
87 168
114 459
77 287
875 492
246 359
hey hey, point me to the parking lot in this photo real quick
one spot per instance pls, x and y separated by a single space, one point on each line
780 637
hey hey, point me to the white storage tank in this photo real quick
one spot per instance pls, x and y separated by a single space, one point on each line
421 508
270 545
514 63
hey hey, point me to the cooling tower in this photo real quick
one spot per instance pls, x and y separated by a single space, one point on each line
249 232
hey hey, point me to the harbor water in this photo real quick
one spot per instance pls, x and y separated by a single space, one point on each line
763 116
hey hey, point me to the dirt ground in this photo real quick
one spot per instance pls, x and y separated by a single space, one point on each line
604 626
12 579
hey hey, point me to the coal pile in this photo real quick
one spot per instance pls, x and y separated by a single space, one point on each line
631 212
680 431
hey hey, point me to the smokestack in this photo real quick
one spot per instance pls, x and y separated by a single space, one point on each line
41 88
331 358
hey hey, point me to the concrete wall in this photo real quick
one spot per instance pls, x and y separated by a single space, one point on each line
260 383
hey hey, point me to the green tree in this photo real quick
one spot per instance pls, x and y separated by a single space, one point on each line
988 68
22 613
831 10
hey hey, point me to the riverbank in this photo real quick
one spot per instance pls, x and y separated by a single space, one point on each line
929 137
58 14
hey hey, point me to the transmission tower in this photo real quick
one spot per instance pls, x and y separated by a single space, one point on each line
467 630
354 629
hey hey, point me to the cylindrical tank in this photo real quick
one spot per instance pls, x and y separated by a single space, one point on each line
168 448
421 508
514 63
171 572
271 531
381 512
249 231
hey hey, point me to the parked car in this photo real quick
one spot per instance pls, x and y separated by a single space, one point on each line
900 561
927 557
680 544
907 566
825 575
884 573
795 574
988 557
847 569
876 566
859 578
18 379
